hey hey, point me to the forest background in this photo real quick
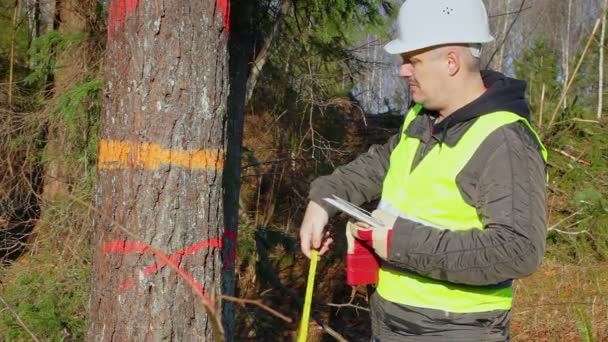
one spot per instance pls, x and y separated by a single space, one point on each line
304 116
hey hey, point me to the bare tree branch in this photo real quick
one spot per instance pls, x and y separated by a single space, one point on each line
348 305
262 55
573 77
508 13
504 39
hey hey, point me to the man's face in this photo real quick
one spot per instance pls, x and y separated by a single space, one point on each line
422 71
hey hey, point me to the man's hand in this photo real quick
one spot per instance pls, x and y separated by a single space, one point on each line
311 231
362 263
379 238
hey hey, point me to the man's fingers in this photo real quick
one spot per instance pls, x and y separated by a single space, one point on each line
305 240
326 246
316 241
311 241
305 247
311 231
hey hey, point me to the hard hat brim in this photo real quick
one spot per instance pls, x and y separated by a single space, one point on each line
395 47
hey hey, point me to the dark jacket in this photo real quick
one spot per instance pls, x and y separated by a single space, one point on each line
504 181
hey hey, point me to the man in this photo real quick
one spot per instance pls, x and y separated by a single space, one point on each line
465 177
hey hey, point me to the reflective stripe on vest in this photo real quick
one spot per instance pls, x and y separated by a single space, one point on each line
429 194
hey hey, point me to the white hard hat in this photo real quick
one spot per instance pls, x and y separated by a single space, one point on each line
426 23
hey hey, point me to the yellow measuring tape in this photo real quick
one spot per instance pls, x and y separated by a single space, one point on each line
308 299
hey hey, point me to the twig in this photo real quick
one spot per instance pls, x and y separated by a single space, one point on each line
353 294
19 319
564 220
569 233
508 13
348 305
554 227
331 332
275 161
566 154
578 222
504 40
585 120
571 80
559 304
259 303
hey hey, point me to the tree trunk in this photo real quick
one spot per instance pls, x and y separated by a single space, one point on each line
161 159
32 10
566 53
505 32
46 18
600 86
12 54
241 46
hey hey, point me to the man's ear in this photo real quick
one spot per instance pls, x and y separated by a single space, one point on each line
454 61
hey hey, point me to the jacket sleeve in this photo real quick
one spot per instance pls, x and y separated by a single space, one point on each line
505 181
359 181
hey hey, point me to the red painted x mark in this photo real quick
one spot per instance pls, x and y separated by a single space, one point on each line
126 247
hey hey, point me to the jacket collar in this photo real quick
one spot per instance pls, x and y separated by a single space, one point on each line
422 128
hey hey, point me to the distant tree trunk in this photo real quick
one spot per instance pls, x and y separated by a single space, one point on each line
47 15
41 18
12 53
566 52
600 86
161 160
32 10
505 32
72 16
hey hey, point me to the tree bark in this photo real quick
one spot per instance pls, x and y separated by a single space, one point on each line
161 159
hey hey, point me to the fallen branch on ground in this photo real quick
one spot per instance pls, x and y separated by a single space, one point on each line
259 303
348 305
19 320
566 154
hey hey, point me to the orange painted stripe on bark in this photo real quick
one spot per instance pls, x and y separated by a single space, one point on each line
125 154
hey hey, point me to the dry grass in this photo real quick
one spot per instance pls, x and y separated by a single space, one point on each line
546 303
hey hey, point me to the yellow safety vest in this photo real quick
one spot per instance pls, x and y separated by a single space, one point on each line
429 193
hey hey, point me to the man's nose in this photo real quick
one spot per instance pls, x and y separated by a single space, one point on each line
405 70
